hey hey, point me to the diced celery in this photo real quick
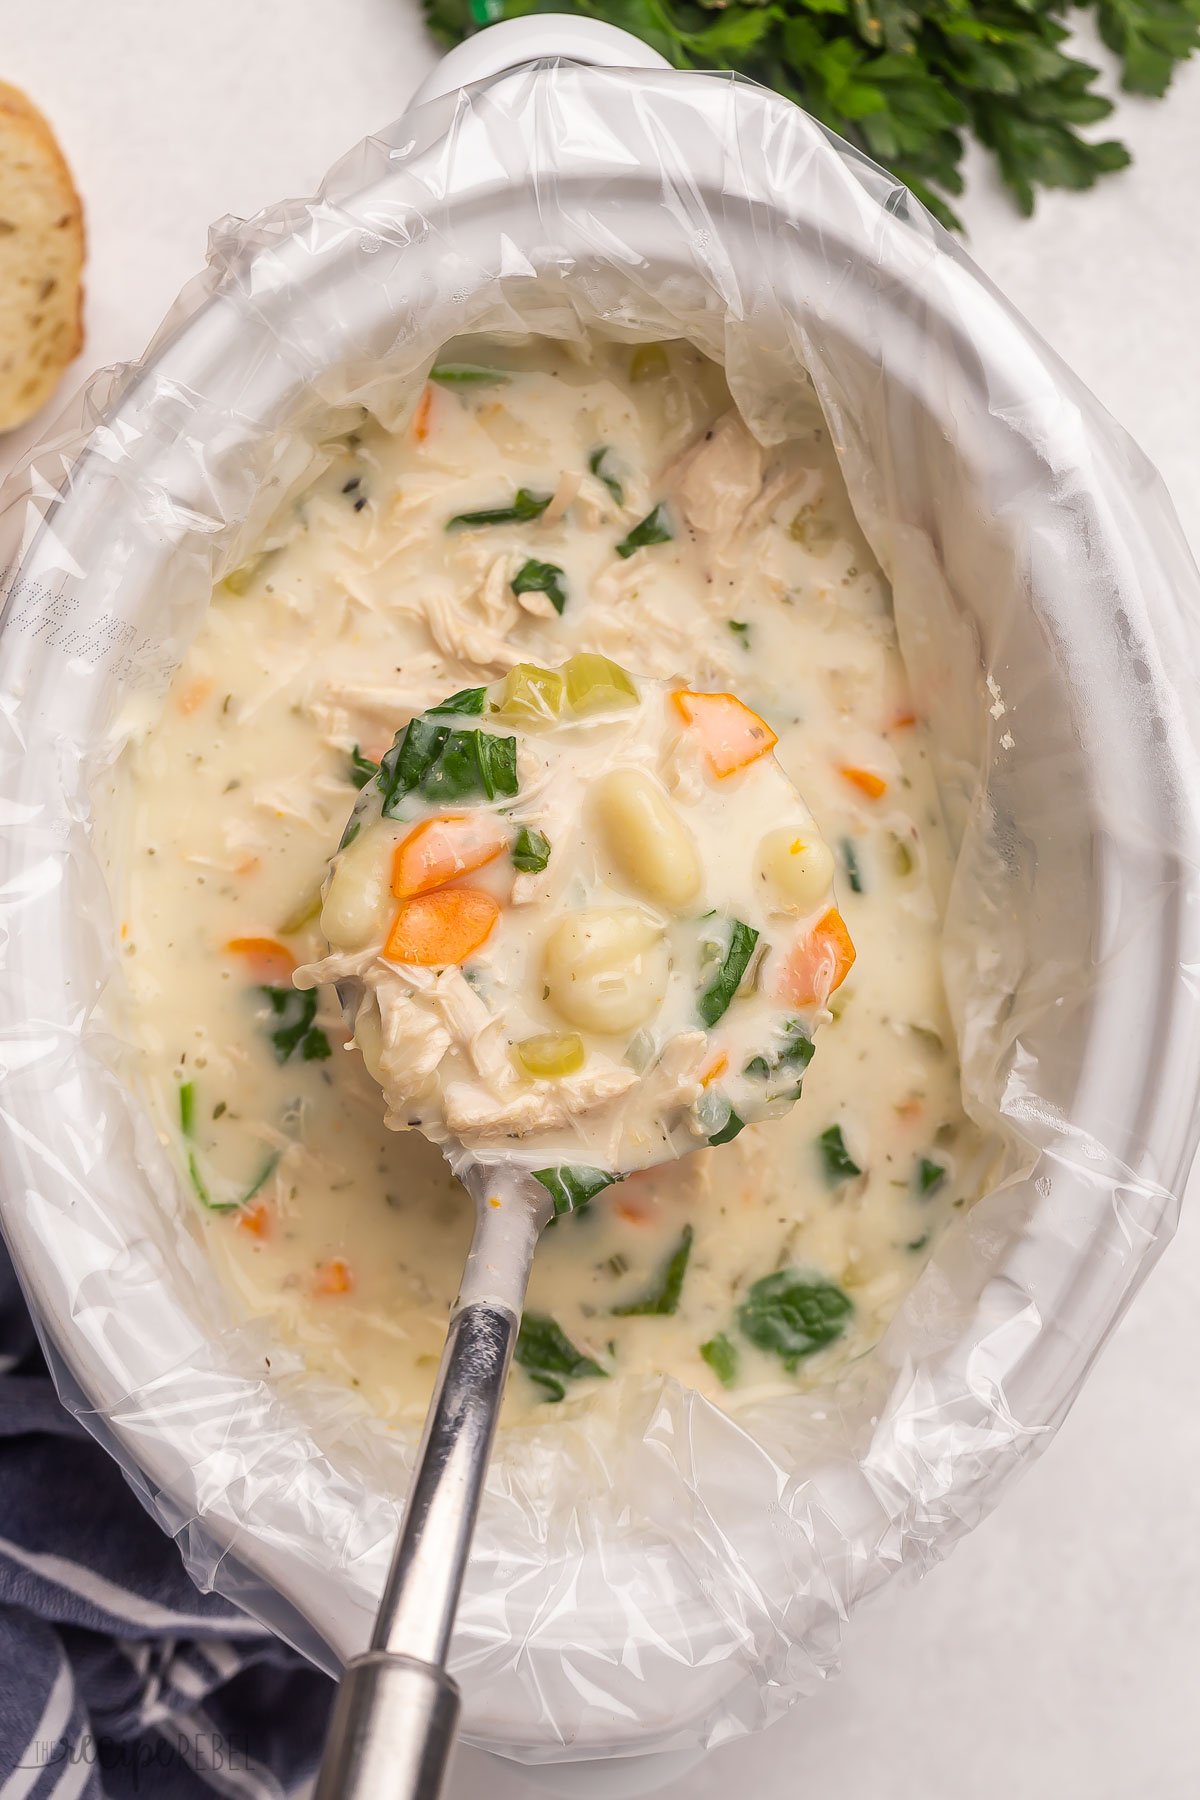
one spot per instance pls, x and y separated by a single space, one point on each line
240 580
596 684
551 1054
649 362
532 695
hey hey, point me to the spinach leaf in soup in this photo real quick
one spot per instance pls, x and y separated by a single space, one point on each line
445 764
361 769
837 1161
534 577
530 851
549 1357
662 1297
572 1185
291 1027
596 465
467 700
462 374
793 1315
524 508
929 1176
722 1358
655 528
714 1001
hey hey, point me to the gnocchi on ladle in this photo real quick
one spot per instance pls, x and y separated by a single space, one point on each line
582 920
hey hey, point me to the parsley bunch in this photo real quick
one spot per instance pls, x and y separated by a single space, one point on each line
907 80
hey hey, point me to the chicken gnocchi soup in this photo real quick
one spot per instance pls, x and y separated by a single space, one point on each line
578 906
616 946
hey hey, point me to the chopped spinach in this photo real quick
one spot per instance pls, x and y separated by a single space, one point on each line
715 999
573 1185
361 769
549 1357
729 1129
929 1177
662 1297
467 700
792 1059
722 1358
455 374
443 764
853 872
655 528
530 852
291 1025
838 1162
793 1315
187 1125
596 465
534 577
525 507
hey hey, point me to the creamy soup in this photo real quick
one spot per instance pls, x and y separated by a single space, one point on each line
581 922
628 514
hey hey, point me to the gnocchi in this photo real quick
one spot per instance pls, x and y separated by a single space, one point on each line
571 956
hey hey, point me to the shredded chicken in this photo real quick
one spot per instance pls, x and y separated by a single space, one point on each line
472 1111
715 483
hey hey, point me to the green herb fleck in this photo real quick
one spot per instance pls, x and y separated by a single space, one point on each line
715 999
850 862
530 852
793 1315
525 507
596 465
456 374
662 1297
930 1176
839 1164
291 1025
918 1243
655 528
444 765
722 1358
740 629
549 1357
573 1185
535 577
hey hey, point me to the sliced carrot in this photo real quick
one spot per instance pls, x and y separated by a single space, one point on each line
248 865
903 720
865 780
436 930
194 695
911 1108
421 416
731 734
714 1069
334 1277
820 962
441 849
270 961
256 1220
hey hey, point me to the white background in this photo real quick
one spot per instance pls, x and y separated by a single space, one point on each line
1056 1657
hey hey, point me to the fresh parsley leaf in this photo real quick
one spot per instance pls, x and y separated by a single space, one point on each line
662 1297
525 507
906 81
534 577
839 1164
456 374
573 1185
361 769
445 765
530 852
467 700
596 465
930 1176
291 1026
722 1358
793 1315
549 1357
655 528
850 863
715 999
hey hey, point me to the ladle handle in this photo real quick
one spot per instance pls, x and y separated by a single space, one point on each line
396 1711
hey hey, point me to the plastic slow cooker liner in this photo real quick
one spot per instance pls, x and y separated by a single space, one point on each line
654 1574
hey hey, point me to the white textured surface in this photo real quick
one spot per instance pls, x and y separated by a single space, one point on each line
1056 1656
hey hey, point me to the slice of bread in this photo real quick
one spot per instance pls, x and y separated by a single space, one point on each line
41 260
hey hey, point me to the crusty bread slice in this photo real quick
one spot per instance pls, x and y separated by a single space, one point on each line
41 260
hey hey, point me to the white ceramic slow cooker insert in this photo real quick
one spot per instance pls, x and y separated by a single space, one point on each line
698 1582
